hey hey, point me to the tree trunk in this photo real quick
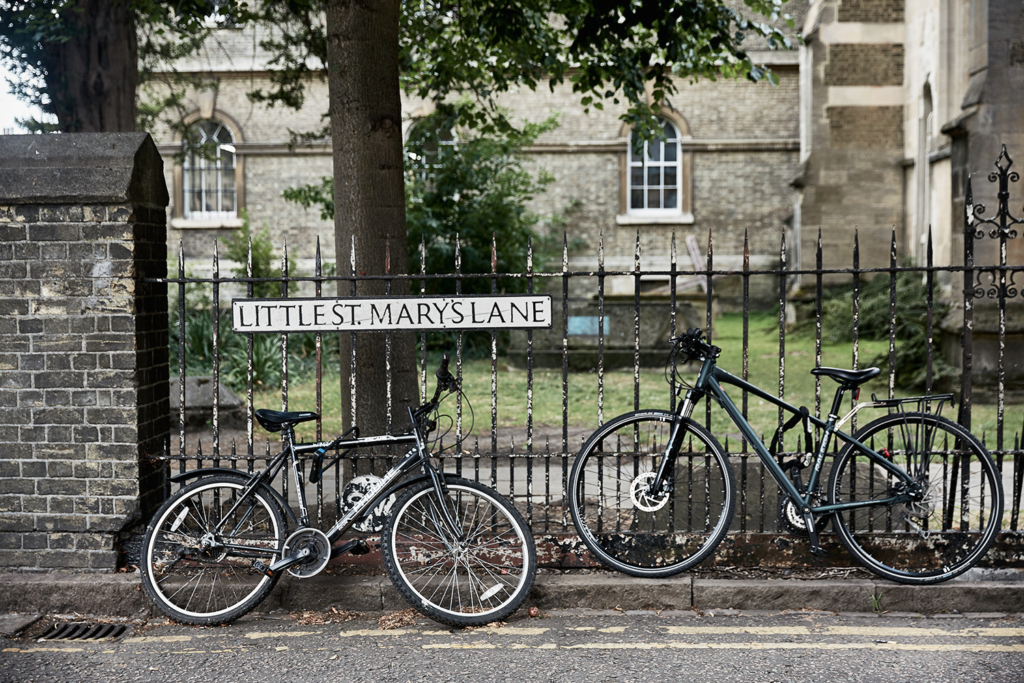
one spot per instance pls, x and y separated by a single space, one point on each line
369 200
92 76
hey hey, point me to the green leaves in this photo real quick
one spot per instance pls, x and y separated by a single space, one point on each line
476 189
32 31
910 330
473 187
482 49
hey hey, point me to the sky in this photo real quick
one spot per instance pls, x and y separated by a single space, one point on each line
10 107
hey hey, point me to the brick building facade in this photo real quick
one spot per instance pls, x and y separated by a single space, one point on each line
857 136
738 150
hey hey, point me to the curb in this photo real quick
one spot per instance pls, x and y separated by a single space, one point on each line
121 595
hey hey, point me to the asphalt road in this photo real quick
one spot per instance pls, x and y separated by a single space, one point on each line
591 647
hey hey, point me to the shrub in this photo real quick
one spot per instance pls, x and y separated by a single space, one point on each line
911 316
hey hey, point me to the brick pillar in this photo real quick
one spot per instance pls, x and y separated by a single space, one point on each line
83 345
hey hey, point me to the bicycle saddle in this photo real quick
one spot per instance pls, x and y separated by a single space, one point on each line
849 377
275 420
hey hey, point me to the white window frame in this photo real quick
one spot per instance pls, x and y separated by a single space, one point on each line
645 163
202 164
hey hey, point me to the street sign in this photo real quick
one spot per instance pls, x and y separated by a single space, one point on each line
392 313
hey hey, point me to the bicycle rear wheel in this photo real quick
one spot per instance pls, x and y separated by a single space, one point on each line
651 535
198 575
483 578
926 541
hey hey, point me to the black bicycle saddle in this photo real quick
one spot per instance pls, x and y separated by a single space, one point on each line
848 377
275 420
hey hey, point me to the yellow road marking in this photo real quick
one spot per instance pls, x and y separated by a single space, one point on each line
868 631
256 635
581 628
489 630
159 639
910 631
488 646
923 647
44 649
515 631
755 630
612 629
994 632
460 646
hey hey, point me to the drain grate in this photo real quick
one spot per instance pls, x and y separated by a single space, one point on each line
79 630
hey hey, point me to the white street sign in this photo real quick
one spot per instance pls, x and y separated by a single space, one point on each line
392 313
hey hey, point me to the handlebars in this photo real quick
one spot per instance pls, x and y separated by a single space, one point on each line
445 379
445 382
692 345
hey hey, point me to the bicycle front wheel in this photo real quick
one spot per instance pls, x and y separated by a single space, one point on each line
638 533
480 578
923 541
199 550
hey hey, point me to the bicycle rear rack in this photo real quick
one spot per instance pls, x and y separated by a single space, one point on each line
923 403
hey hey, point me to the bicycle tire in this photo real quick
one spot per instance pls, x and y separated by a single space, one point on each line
679 529
193 585
484 579
937 453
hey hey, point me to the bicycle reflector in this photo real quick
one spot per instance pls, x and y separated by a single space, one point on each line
856 394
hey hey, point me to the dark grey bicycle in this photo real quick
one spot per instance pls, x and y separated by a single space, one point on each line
455 549
914 497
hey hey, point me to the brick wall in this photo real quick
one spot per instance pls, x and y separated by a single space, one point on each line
864 65
83 345
865 127
871 11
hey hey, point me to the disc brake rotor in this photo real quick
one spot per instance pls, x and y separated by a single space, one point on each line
643 500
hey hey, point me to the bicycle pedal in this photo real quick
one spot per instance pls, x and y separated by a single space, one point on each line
819 551
354 547
262 568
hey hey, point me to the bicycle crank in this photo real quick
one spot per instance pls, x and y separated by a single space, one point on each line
317 548
792 520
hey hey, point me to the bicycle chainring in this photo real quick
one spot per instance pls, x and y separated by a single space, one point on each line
792 520
320 552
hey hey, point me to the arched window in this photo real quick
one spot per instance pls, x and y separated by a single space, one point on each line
209 184
655 176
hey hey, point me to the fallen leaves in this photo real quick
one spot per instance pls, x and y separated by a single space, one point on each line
312 618
406 617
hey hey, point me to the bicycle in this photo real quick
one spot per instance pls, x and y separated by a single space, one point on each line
652 492
456 550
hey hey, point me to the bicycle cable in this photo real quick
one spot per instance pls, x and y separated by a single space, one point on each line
436 417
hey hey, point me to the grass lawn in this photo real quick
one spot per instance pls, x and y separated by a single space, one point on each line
582 392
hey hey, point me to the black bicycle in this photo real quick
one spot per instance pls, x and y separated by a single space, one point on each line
914 497
458 551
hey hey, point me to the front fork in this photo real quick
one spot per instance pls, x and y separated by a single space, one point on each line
440 487
447 517
662 482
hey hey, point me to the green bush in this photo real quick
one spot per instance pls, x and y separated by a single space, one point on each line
474 188
911 317
266 348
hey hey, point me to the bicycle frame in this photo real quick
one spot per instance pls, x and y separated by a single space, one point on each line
709 382
416 456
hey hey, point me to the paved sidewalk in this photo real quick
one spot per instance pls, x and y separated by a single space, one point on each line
120 595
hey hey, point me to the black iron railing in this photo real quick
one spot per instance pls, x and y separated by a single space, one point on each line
529 461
